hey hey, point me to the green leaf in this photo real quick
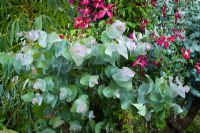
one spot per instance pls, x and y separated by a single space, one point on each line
48 97
75 126
105 38
116 29
99 126
69 93
108 92
177 108
42 39
112 32
93 80
7 131
85 79
125 74
61 47
79 53
56 122
195 92
38 23
141 108
126 98
80 105
52 38
49 83
100 90
48 130
28 97
89 80
40 84
110 70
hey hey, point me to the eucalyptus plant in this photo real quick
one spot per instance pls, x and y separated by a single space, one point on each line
79 85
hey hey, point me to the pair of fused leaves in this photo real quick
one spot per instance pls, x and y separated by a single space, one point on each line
45 86
69 93
89 80
80 105
123 77
77 53
159 95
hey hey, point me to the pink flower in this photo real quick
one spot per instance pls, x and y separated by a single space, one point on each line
84 2
81 22
177 15
132 35
143 24
178 34
197 67
154 2
185 53
165 41
85 11
106 10
71 1
141 60
98 5
164 9
97 0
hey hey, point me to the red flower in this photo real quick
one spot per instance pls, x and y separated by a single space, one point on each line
132 35
164 9
141 60
185 53
143 24
84 2
154 2
177 15
81 22
97 0
85 11
61 36
197 67
164 40
178 34
71 1
176 1
98 5
106 10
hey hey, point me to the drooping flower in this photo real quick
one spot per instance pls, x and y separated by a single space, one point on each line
197 67
185 53
165 41
106 10
177 15
143 24
164 9
141 61
178 33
